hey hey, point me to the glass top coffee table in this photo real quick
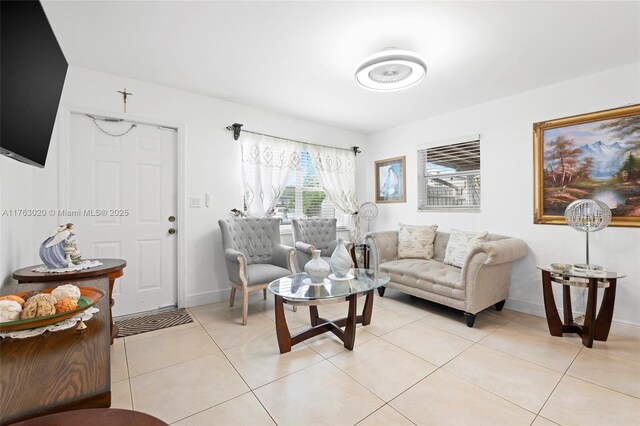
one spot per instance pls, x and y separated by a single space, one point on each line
299 290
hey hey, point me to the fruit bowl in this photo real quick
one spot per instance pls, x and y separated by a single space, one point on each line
89 296
561 267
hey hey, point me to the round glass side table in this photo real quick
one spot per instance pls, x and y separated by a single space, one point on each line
596 327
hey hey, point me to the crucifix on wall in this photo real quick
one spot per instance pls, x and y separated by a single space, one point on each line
124 97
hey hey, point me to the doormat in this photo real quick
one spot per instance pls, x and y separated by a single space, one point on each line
145 323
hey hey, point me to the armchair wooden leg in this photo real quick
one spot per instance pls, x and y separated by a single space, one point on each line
264 294
245 305
232 296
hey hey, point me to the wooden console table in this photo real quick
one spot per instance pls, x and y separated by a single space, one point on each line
95 417
57 371
110 268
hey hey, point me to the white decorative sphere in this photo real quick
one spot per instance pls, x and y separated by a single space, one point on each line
65 291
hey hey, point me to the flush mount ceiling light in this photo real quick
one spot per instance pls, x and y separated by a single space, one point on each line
391 69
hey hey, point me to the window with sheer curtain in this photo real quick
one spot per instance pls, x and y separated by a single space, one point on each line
304 197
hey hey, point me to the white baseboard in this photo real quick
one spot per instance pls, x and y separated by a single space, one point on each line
216 296
206 298
525 307
617 327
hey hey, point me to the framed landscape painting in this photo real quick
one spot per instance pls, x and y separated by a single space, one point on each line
391 180
594 156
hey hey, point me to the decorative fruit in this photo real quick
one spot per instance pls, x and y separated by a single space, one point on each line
66 291
9 310
13 297
66 304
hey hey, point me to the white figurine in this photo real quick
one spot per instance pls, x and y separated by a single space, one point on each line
52 250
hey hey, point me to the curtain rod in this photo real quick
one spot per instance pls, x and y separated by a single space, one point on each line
237 128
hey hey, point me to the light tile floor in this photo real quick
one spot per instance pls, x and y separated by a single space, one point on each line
417 363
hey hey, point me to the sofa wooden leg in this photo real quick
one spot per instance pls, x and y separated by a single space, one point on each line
500 305
469 319
381 291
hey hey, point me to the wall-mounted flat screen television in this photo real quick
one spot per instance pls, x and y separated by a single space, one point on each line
32 70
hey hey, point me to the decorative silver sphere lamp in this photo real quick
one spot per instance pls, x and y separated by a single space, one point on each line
588 216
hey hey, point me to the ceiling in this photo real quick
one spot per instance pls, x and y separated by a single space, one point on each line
299 58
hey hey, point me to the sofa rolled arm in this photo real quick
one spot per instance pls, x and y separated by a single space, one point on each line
304 247
501 251
284 257
236 266
383 246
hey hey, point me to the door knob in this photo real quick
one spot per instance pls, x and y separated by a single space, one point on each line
172 231
172 218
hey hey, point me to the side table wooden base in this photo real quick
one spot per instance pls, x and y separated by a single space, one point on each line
596 327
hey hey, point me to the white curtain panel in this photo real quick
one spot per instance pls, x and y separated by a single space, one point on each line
266 164
336 169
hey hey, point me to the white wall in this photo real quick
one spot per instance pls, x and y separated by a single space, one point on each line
505 126
212 165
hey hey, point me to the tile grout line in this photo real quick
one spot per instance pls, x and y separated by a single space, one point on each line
380 408
558 384
473 384
239 375
381 336
247 384
126 359
519 357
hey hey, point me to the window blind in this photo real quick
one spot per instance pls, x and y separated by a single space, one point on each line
449 177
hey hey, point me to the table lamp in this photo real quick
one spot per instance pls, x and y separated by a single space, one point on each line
588 216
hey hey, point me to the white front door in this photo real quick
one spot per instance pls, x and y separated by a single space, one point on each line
122 199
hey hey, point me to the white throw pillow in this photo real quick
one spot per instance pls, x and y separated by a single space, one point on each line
416 242
460 242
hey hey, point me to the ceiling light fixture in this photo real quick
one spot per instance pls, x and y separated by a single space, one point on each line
391 69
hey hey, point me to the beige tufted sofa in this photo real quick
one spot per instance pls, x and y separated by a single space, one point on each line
482 281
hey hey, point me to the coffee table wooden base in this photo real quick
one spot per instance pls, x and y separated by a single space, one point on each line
321 325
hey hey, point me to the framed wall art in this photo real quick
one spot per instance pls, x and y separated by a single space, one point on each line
590 156
391 180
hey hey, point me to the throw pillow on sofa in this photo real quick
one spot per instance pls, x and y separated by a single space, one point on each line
416 242
460 242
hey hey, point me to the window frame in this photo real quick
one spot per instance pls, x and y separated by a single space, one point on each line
424 177
299 190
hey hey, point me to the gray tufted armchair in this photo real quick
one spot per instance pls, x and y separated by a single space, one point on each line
314 234
254 256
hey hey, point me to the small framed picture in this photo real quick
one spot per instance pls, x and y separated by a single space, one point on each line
391 180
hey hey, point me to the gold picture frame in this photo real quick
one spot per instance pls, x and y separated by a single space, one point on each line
391 180
595 155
